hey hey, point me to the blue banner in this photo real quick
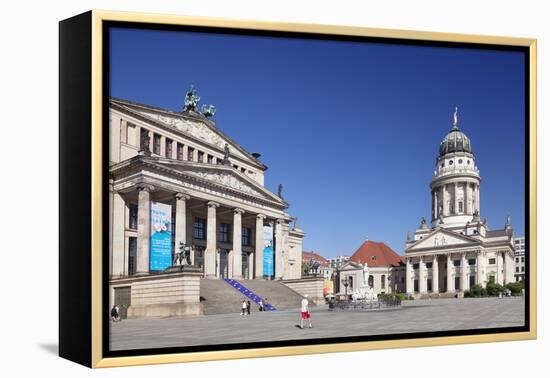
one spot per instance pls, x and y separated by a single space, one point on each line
161 236
268 251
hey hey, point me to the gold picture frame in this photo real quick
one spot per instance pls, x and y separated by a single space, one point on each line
93 23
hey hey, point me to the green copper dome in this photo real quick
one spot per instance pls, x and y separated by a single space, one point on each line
455 141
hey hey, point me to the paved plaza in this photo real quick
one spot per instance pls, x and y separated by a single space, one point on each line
413 316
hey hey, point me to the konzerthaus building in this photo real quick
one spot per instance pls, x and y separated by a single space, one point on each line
178 183
458 250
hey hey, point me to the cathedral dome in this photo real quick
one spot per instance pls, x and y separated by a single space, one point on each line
455 141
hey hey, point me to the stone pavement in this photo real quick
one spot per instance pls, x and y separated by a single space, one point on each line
414 316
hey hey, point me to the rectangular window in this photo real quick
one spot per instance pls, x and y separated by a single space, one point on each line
415 266
472 281
246 236
429 265
199 229
523 269
201 157
492 261
133 219
210 159
225 233
168 149
456 262
523 259
492 279
471 261
517 259
190 153
179 151
132 252
517 269
156 144
460 207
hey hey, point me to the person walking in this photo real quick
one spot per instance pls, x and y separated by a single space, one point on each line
243 307
115 313
305 314
248 304
261 304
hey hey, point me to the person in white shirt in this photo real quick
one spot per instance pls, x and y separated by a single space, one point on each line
305 315
243 307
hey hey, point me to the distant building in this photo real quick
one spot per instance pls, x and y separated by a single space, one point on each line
519 252
384 271
338 260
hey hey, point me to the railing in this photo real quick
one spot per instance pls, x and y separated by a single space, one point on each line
367 305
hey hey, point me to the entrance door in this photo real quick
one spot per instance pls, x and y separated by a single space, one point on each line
457 283
224 265
199 257
472 281
245 266
123 299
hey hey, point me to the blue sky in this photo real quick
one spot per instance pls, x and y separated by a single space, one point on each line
350 129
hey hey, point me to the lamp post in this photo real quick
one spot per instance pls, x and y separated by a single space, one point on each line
345 281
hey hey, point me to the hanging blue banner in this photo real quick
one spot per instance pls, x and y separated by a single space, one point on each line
161 236
268 251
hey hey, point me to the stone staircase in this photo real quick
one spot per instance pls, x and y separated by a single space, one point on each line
219 297
438 296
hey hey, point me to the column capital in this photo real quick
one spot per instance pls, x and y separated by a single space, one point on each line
145 187
261 216
213 204
280 221
238 211
182 196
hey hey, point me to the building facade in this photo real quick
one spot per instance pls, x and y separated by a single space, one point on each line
176 174
519 253
374 266
458 250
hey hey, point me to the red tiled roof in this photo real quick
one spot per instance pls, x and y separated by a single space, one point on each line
307 256
376 254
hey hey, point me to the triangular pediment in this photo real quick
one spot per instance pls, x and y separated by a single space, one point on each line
441 238
197 127
224 176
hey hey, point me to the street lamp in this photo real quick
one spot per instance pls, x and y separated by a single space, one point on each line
345 281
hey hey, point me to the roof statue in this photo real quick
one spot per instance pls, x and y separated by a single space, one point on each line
455 116
208 110
192 99
280 191
226 154
144 145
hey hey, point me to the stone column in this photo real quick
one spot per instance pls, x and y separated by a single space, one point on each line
456 198
445 197
259 247
211 241
144 229
237 244
480 267
119 253
450 281
464 283
478 205
181 220
408 277
435 275
279 248
467 205
422 276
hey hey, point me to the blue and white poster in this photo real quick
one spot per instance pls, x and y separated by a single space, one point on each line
161 236
268 251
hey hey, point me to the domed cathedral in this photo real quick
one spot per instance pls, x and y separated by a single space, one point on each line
458 251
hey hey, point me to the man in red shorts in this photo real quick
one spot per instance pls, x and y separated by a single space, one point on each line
305 314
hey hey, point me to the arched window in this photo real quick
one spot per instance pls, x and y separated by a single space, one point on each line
383 283
371 281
